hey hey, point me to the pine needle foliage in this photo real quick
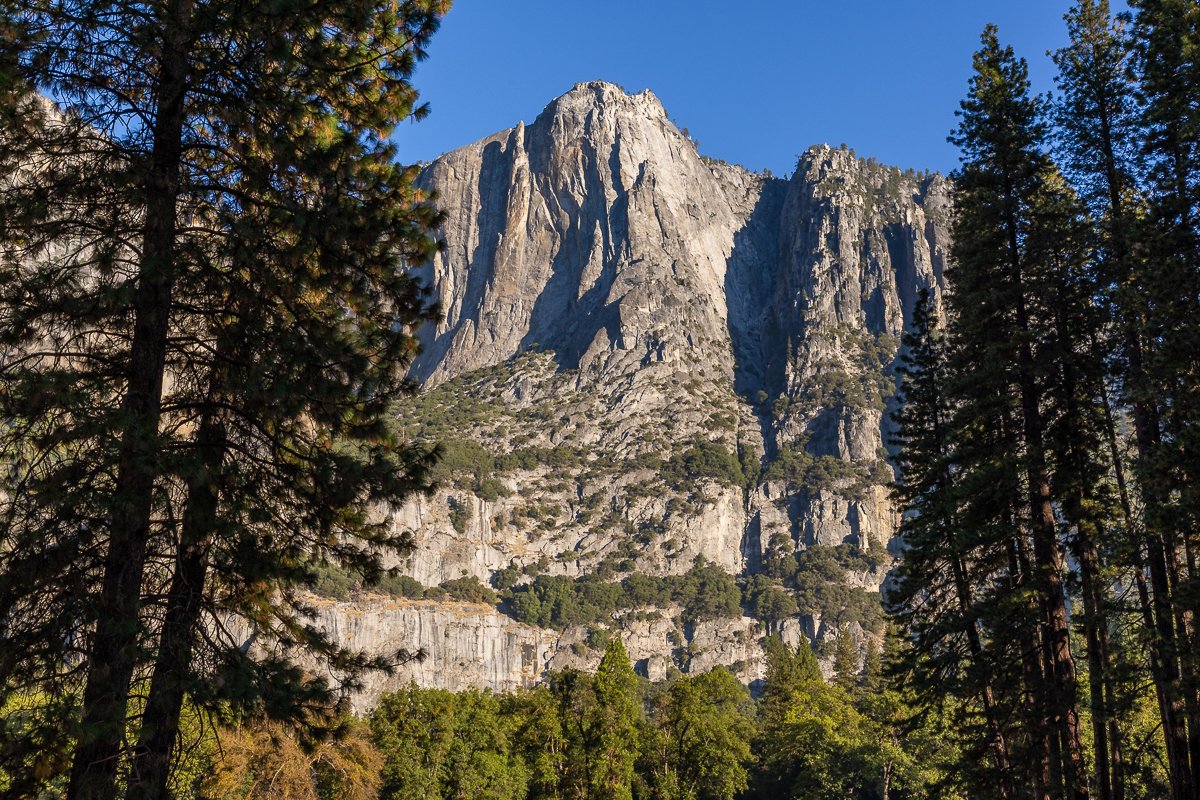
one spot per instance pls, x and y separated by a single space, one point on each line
1047 439
205 252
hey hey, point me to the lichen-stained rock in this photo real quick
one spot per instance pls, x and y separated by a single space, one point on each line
648 356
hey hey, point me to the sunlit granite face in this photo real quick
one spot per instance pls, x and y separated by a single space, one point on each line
663 357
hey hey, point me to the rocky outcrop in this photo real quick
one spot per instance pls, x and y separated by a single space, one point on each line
648 356
858 241
456 646
447 645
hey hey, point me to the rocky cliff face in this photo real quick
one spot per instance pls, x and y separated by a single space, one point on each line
648 356
457 645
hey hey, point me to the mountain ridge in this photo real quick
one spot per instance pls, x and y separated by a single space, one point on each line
651 360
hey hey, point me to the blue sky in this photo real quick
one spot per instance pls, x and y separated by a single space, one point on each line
755 82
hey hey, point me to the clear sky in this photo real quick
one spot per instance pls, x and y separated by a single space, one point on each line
755 82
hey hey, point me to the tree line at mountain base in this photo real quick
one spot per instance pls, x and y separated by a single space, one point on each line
604 736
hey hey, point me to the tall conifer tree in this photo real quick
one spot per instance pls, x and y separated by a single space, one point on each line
615 727
1166 37
1001 299
934 595
1102 129
1100 133
207 314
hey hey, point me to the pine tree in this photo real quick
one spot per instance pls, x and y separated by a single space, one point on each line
1166 36
787 672
204 276
908 750
845 660
1079 471
1102 132
934 594
1002 294
813 742
872 667
1056 322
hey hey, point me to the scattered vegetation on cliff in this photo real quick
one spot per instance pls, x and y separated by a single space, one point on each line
339 583
812 581
705 592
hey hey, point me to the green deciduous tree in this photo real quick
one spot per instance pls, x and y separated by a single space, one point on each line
438 744
699 745
695 737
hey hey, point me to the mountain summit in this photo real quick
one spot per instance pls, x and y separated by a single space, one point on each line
593 232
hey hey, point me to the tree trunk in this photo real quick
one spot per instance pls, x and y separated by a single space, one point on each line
1095 629
1060 705
159 733
113 655
1087 554
1039 746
